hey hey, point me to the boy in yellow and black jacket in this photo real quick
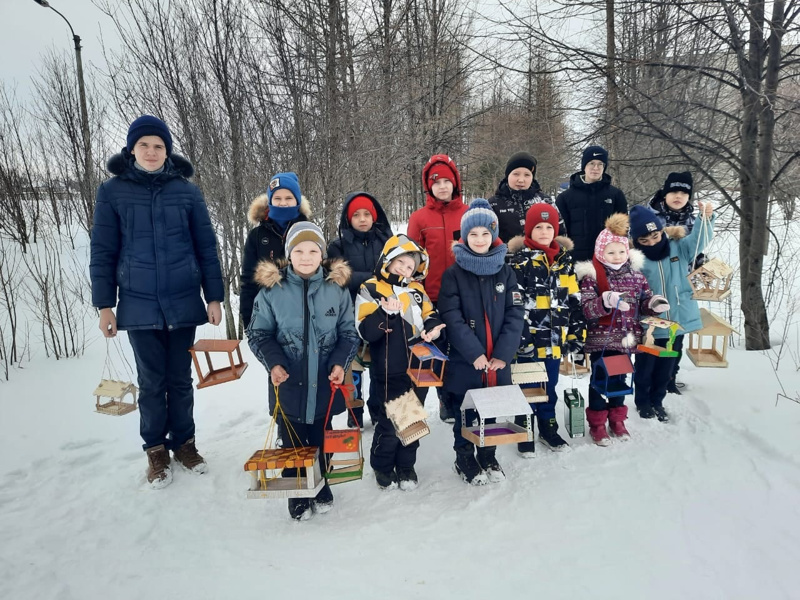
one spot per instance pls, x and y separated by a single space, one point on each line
554 321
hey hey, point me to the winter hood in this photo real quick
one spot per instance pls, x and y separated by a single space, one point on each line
451 164
269 274
259 209
585 268
382 222
398 245
123 161
517 243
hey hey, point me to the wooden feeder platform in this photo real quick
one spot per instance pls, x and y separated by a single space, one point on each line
408 417
116 390
716 328
567 366
491 403
305 457
532 379
711 281
649 345
421 374
233 371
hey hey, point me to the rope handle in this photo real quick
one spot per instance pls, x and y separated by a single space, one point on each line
705 233
345 388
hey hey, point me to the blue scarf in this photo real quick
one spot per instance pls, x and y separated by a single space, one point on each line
480 264
283 214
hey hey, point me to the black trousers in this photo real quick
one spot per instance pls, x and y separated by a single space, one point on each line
653 374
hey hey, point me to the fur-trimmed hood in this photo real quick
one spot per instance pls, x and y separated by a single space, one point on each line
585 268
675 232
123 161
517 243
259 209
269 273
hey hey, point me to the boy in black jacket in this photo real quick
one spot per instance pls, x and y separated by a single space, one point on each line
363 230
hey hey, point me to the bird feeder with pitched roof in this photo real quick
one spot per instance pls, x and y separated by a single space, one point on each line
610 376
116 391
532 379
708 346
491 403
711 281
426 365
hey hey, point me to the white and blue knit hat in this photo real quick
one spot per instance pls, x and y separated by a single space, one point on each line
304 231
479 214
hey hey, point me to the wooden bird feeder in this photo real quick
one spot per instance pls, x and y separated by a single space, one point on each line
231 372
408 417
116 391
422 365
567 366
347 462
491 403
532 378
715 330
610 375
711 281
266 484
649 345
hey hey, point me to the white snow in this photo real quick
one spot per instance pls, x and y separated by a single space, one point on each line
705 506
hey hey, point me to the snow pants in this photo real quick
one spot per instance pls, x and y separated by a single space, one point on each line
653 374
166 397
387 451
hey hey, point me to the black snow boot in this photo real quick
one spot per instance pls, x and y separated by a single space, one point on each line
468 467
646 412
661 414
407 478
446 409
386 481
300 509
488 462
324 500
672 387
548 435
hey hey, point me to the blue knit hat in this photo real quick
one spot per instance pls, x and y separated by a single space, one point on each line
594 153
479 214
149 125
644 222
284 181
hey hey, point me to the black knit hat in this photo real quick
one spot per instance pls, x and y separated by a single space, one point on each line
594 153
521 159
679 182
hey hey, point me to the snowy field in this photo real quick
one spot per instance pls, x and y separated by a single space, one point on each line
705 506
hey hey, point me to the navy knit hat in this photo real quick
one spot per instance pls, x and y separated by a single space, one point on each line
594 153
479 214
679 182
521 159
284 181
644 222
149 125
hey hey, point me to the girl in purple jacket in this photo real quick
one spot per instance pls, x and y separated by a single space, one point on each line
614 293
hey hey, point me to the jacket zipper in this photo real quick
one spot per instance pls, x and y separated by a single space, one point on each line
305 346
663 284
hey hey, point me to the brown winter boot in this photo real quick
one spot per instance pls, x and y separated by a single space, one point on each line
159 475
189 458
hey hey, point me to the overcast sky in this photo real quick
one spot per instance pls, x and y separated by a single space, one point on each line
29 30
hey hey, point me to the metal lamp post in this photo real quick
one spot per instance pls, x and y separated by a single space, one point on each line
82 92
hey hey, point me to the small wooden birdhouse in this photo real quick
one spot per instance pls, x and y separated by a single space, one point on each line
116 391
649 345
426 365
610 376
232 371
531 377
264 466
708 346
408 417
491 403
711 281
570 367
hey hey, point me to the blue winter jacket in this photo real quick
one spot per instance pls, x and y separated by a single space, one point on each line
306 326
667 277
464 299
153 241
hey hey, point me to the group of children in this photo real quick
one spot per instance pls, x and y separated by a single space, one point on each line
485 303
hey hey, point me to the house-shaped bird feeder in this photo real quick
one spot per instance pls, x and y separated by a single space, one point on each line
408 417
116 391
232 371
610 376
265 467
711 281
347 462
708 346
649 345
426 365
572 367
491 403
573 412
531 377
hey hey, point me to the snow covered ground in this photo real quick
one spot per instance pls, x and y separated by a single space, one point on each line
703 507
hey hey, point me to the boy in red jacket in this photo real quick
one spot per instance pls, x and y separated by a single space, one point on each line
435 227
